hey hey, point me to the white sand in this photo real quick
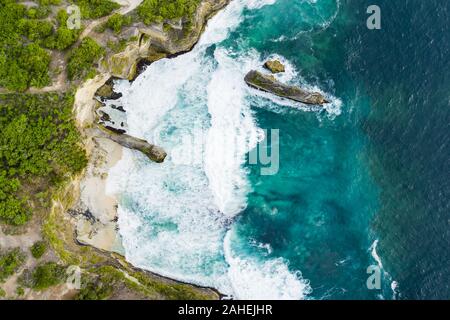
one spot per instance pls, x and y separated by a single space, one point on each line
103 233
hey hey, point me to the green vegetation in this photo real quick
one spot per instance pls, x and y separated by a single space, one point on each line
25 34
101 284
2 293
46 275
104 281
39 149
117 21
34 29
82 59
20 291
49 2
117 46
10 262
63 37
22 63
93 9
97 290
38 249
41 12
172 291
151 11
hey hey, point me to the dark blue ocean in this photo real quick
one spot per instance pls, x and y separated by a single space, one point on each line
379 171
365 183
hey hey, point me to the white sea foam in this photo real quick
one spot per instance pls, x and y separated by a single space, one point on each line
395 290
174 217
267 280
292 76
219 26
394 284
375 256
232 134
168 220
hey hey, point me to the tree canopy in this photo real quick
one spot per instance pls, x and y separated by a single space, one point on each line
151 11
93 9
22 63
83 57
39 147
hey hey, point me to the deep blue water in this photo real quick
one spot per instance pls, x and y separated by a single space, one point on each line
406 74
378 171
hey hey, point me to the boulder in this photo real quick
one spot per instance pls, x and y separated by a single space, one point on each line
274 66
104 116
118 108
268 83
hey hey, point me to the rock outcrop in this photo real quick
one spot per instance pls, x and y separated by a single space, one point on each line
274 66
268 83
106 92
154 43
153 152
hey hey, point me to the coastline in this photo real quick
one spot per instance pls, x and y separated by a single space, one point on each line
97 225
95 212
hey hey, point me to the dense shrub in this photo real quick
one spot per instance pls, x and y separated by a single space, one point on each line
95 291
93 9
39 147
117 21
40 12
20 291
47 275
151 11
10 261
83 57
49 2
35 30
22 64
38 249
63 37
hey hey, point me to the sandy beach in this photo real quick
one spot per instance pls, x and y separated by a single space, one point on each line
97 212
97 223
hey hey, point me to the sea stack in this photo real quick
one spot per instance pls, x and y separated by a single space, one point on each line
268 83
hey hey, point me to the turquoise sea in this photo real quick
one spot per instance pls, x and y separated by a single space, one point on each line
363 182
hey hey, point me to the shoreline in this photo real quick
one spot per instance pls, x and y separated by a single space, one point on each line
95 201
95 210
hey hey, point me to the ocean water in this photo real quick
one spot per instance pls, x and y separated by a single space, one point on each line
362 182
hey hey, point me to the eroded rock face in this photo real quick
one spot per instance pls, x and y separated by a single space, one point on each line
123 65
268 83
153 43
106 91
274 66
